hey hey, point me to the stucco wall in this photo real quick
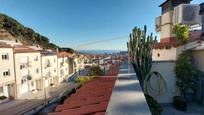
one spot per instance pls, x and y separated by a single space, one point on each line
199 64
53 62
164 54
6 64
166 68
63 68
31 70
199 59
33 65
166 25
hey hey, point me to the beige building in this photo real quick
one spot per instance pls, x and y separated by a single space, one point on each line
49 68
7 77
27 71
62 66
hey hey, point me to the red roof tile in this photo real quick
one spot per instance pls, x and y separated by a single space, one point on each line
92 98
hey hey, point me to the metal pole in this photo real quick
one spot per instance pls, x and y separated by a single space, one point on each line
45 94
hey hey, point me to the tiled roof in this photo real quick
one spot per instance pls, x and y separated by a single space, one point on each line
23 49
92 98
64 54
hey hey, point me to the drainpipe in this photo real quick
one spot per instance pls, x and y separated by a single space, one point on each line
202 17
15 87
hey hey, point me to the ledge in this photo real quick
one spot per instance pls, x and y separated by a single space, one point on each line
127 97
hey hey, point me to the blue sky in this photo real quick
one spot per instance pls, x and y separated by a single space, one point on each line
69 23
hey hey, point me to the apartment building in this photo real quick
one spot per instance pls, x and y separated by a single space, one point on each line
7 77
27 71
79 62
62 66
49 68
71 64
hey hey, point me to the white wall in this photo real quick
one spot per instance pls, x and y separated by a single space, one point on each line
164 54
199 64
63 68
52 69
5 65
31 70
166 68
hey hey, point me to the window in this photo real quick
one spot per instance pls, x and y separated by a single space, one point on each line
36 58
5 56
32 83
1 90
37 70
6 73
54 70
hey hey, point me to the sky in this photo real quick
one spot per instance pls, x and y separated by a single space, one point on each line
74 23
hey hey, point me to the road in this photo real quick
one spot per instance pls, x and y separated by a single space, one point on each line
20 105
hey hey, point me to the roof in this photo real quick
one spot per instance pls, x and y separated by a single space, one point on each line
47 53
174 1
90 99
64 54
4 45
23 49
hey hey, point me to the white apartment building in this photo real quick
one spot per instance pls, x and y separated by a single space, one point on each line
27 70
49 68
63 66
7 77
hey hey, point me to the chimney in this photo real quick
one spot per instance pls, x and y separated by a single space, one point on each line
202 16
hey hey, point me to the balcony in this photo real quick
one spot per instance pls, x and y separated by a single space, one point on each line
47 65
61 64
26 78
25 65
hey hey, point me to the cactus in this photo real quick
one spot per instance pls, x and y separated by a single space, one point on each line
140 47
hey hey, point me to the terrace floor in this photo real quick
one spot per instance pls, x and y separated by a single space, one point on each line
193 109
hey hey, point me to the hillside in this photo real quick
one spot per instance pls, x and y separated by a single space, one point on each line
11 29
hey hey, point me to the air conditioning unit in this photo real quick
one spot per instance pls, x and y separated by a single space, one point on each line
187 14
158 24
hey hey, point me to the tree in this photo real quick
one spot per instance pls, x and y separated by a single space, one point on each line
181 32
185 73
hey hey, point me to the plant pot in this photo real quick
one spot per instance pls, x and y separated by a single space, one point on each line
189 97
179 103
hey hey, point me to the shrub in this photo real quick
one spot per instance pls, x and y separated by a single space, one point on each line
2 97
84 79
185 73
95 71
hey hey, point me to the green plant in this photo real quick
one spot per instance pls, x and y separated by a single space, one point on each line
84 79
95 71
2 97
154 106
181 32
140 47
185 73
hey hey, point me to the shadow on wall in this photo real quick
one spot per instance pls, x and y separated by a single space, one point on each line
166 68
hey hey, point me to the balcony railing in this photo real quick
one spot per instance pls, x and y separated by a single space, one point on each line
26 78
47 65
